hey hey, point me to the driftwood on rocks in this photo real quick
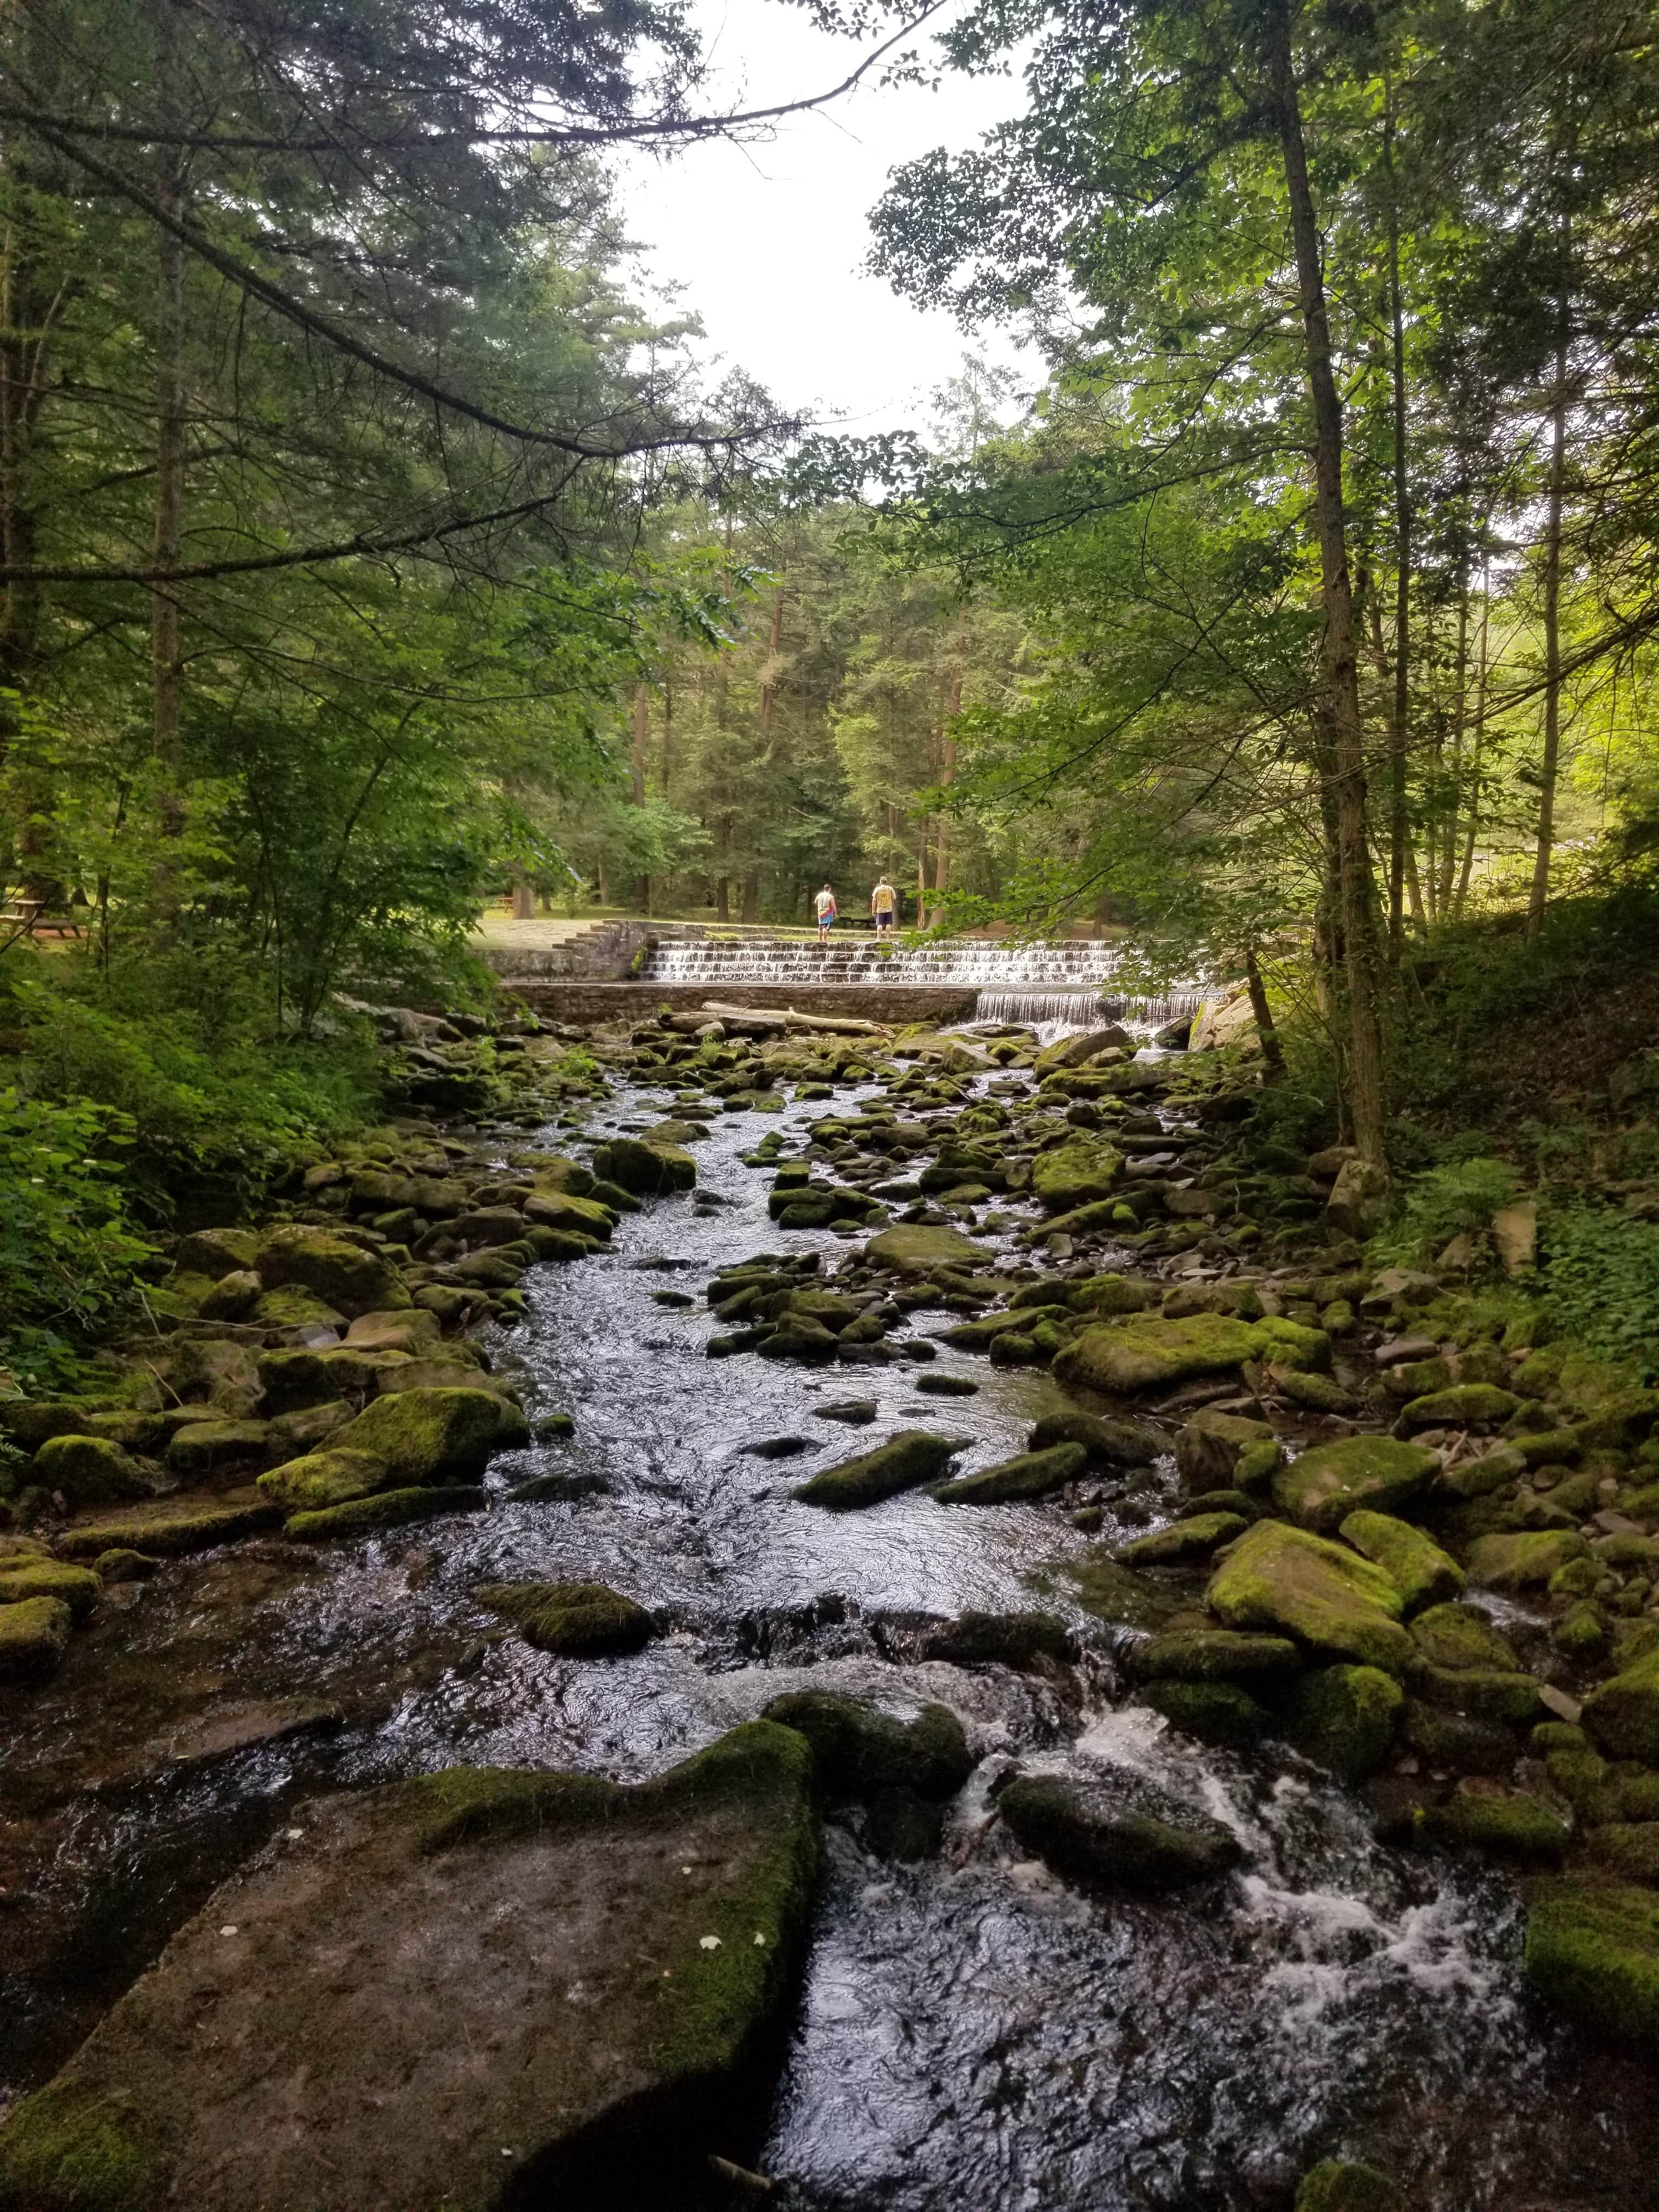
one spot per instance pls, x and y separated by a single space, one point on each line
765 1018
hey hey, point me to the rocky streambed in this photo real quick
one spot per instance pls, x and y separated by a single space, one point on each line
647 1675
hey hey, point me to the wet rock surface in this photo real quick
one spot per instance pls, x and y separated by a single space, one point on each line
1382 1704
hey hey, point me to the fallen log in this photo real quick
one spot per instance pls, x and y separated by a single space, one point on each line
765 1017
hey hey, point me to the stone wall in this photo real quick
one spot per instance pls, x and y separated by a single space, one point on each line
584 1002
603 953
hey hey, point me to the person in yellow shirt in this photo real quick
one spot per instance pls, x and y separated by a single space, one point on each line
884 906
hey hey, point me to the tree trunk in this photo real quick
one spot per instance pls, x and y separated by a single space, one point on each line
641 732
166 665
752 896
1342 683
773 645
1273 1053
722 898
524 900
1541 873
1460 732
948 767
1398 719
1479 742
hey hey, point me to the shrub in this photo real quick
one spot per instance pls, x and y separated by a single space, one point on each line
1602 1284
1459 1196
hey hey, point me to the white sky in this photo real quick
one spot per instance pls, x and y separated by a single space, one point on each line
767 241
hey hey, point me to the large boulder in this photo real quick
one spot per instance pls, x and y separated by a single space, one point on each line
862 1751
1145 1353
914 1248
88 1471
435 1436
1226 1020
911 1456
644 1168
1115 1830
563 1210
344 1275
1077 1173
1120 1444
476 1987
1345 1717
1322 1488
1523 1560
320 1479
1423 1574
1593 1951
1320 1593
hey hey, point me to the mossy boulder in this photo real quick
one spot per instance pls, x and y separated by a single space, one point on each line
599 2055
1077 1173
1295 1345
1508 1695
915 1249
210 1371
1214 1654
1028 1474
1319 1490
1103 1296
578 1621
1111 1443
1593 1951
22 1578
293 1380
343 1275
860 1750
911 1457
34 1634
1342 2185
216 1253
322 1478
563 1210
1510 1825
445 1434
1523 1558
212 1451
1423 1574
1183 1543
1464 1406
1146 1352
1323 1595
1344 1718
386 1508
645 1168
232 1297
1622 1715
1214 1712
1115 1830
1024 1641
1461 1636
1208 1449
406 1328
88 1471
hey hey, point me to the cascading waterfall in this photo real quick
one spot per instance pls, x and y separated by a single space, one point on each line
1067 981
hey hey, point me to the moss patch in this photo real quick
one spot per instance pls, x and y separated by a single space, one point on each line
1325 1595
435 1435
66 2150
1028 1474
1344 1718
1145 1353
1423 1574
913 1456
390 1508
323 1478
1593 1952
1319 1490
860 1750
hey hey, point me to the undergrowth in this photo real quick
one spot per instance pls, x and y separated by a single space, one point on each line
1601 1273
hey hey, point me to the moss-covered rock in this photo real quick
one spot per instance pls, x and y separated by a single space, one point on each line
914 1249
1145 1353
408 1328
1423 1574
1184 1543
213 1451
1320 1593
169 1529
1214 1712
1483 1693
1461 1636
1080 1172
293 1380
1028 1474
22 1578
386 1508
344 1275
1295 1345
1622 1715
1344 1718
1214 1654
323 1478
1209 1447
1464 1406
216 1253
860 1750
1341 2185
1523 1558
1512 1826
1319 1490
576 1620
88 1471
677 1909
1593 1951
292 1306
1103 1296
1024 1641
445 1434
34 1634
1115 1831
645 1168
1111 1443
911 1457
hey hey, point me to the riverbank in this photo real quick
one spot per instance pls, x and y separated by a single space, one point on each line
1204 1807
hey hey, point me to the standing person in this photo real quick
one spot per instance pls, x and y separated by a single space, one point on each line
883 900
824 906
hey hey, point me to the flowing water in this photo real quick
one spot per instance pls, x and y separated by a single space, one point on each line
971 2032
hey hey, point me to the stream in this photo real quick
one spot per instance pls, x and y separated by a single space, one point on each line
971 2032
